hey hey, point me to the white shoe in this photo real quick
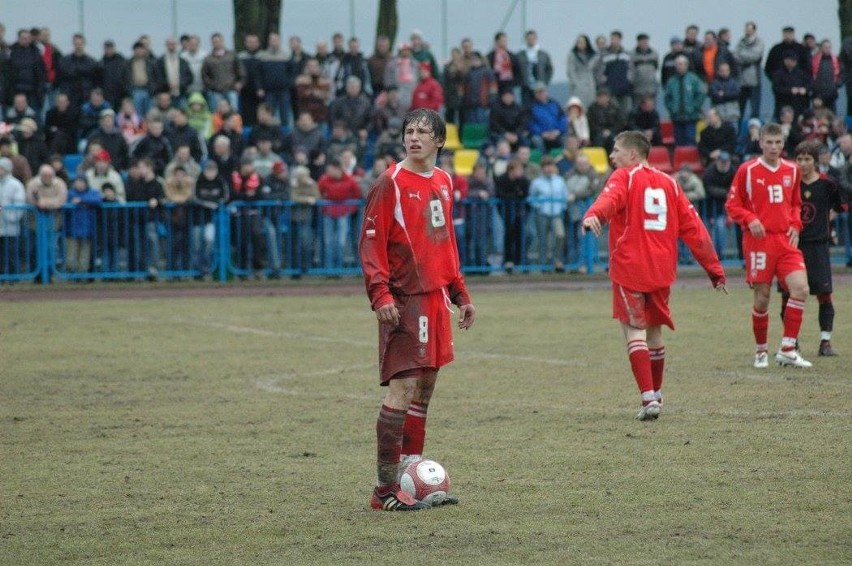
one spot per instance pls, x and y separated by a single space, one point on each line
761 360
792 359
649 412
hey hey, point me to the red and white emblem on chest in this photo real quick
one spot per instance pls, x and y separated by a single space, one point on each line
787 180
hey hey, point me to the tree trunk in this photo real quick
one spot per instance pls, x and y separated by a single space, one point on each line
388 20
260 17
844 13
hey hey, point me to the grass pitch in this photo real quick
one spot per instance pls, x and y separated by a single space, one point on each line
241 431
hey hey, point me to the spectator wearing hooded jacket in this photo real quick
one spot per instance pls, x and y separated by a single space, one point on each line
339 188
578 122
80 225
428 93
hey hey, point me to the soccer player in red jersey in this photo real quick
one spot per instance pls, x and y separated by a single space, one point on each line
820 197
413 275
647 212
765 200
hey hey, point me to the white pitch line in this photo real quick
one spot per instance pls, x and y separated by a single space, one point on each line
237 329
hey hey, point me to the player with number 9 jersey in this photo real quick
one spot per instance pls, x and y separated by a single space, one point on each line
647 212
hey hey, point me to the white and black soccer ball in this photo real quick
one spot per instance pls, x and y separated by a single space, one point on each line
426 480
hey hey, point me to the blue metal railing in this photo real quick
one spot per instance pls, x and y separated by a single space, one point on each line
239 240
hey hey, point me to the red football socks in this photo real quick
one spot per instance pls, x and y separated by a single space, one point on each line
640 362
760 326
793 315
414 430
388 446
658 364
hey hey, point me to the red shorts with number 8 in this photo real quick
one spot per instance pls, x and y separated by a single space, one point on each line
422 339
770 256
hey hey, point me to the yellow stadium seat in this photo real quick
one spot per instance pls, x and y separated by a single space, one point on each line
464 160
699 127
598 158
453 142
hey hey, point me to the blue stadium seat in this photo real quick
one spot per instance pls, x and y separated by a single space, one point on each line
72 161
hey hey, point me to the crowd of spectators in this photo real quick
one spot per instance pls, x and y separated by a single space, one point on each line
196 126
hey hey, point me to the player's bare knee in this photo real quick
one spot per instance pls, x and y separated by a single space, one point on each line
800 292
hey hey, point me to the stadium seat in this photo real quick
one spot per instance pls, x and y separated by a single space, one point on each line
536 155
246 133
555 153
474 136
453 142
849 121
71 162
699 127
667 132
659 158
687 155
598 158
464 160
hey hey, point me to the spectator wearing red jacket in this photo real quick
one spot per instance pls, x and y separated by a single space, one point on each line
339 189
428 93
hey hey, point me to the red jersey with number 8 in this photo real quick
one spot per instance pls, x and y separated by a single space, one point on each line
769 194
647 212
407 243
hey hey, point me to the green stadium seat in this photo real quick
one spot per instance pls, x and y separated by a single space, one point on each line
474 136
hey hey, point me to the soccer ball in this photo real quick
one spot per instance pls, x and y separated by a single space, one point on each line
426 480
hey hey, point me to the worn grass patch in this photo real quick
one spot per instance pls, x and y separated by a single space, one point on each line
241 431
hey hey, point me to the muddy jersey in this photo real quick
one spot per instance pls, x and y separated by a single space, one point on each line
407 242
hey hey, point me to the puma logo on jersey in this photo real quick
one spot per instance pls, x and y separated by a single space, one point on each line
414 195
370 232
761 182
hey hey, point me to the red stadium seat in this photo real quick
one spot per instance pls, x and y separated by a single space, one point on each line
667 132
688 155
659 158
